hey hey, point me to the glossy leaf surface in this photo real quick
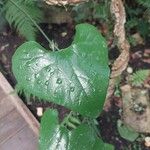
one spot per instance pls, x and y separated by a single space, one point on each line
76 77
55 137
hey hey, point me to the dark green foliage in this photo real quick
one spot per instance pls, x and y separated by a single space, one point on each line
138 16
145 3
16 16
82 12
100 10
92 10
95 11
2 19
138 19
57 137
1 5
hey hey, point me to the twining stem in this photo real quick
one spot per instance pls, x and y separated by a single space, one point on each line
51 43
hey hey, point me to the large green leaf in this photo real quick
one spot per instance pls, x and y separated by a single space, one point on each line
76 77
55 137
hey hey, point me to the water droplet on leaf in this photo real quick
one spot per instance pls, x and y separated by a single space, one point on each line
48 69
51 73
59 81
27 54
28 65
28 79
72 89
36 75
46 83
39 81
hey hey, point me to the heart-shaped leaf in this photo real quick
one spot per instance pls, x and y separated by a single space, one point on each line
76 77
55 137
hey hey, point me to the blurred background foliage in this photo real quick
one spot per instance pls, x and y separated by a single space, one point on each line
97 12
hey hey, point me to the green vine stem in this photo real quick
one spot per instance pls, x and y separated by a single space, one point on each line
51 43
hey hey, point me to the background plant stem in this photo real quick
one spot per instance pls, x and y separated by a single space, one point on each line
51 43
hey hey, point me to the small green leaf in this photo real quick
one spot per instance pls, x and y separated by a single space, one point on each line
74 120
138 78
55 137
71 125
107 147
126 132
76 77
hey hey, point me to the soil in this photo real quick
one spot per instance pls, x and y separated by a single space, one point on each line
63 34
